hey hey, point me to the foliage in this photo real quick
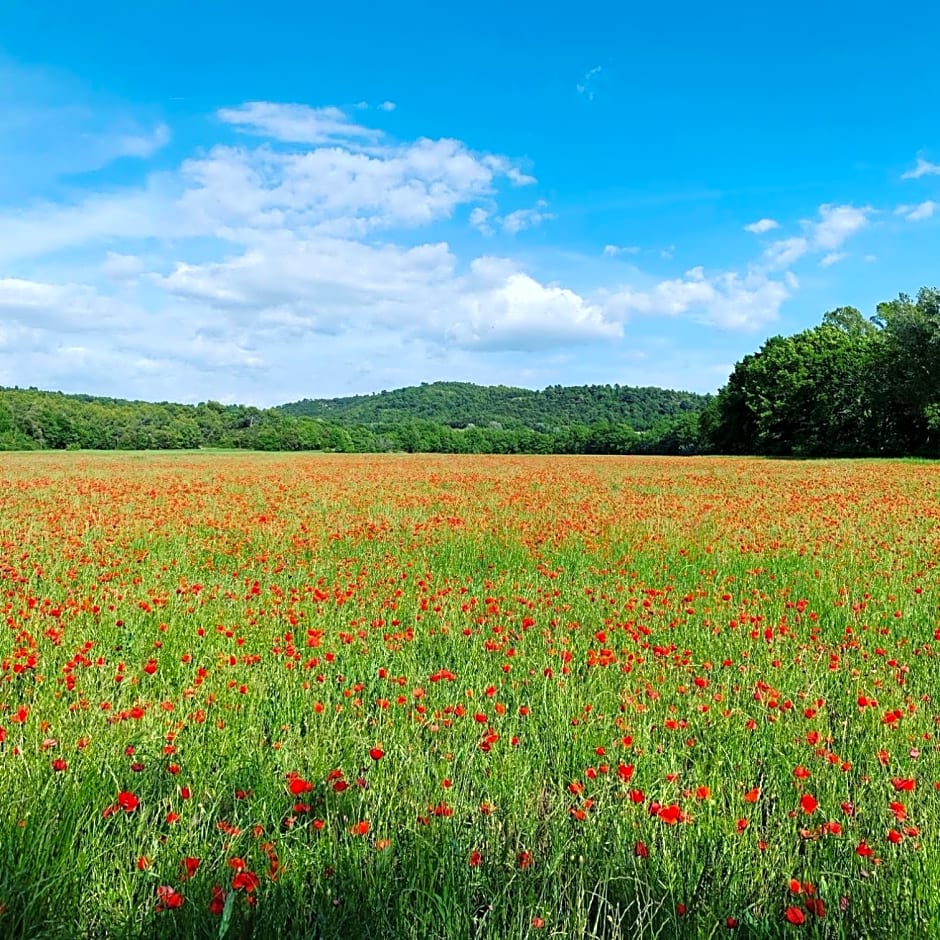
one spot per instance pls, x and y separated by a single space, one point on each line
32 419
462 404
849 387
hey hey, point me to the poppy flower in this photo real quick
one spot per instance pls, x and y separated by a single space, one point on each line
168 898
217 904
246 881
127 801
795 916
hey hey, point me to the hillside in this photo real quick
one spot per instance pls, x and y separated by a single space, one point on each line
31 419
461 404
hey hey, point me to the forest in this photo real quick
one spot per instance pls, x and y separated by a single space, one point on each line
850 387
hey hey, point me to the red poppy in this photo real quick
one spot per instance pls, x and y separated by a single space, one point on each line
168 898
795 915
246 881
127 801
217 904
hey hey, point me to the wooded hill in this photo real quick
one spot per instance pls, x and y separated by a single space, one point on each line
462 404
31 419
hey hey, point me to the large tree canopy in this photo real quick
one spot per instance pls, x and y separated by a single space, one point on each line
849 387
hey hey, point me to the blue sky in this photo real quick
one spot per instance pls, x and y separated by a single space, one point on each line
201 201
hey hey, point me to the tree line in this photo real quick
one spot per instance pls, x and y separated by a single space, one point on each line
31 419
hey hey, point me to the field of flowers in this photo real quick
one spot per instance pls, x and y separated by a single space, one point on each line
410 696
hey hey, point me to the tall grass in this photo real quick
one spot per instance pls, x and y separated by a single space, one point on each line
441 697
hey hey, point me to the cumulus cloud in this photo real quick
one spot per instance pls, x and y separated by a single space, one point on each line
480 220
922 168
827 233
834 257
507 309
339 190
838 223
728 299
761 226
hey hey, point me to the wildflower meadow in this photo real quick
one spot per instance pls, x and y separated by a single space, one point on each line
408 696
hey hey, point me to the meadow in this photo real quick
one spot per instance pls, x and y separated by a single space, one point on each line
490 697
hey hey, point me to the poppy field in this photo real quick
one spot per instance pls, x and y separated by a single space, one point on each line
421 696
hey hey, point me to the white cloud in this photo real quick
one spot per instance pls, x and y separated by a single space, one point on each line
331 287
611 251
294 123
761 226
479 219
922 168
918 213
502 166
118 267
588 84
522 219
507 309
838 223
105 218
834 257
60 308
387 106
334 189
783 253
728 299
141 145
833 227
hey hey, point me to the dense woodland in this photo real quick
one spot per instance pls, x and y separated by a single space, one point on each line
461 404
849 387
33 419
